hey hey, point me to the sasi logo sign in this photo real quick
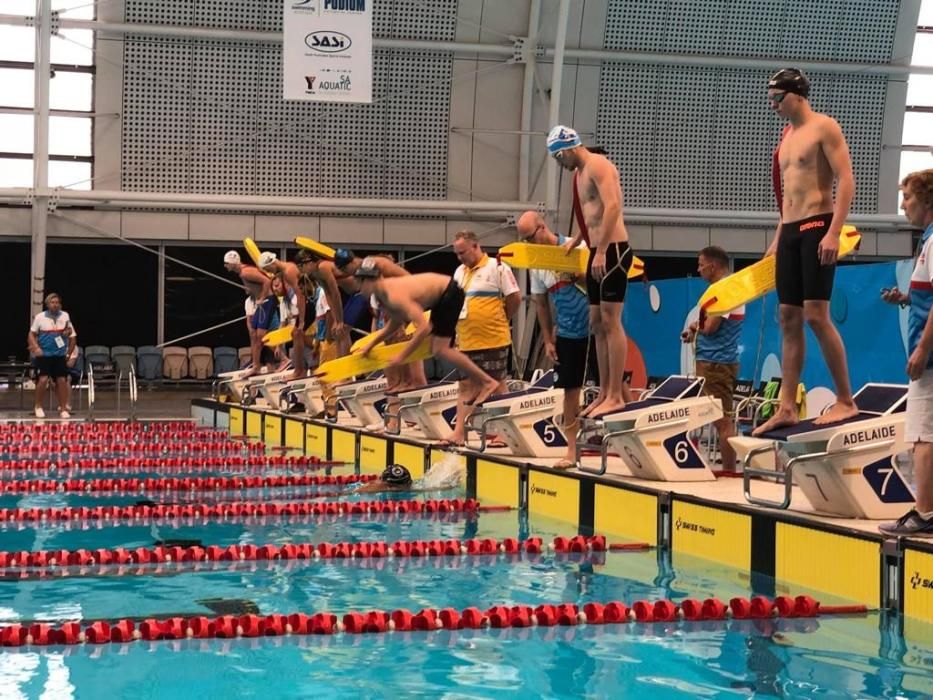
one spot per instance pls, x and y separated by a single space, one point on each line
328 42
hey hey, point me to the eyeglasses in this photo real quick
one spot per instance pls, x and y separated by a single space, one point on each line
777 98
531 236
558 156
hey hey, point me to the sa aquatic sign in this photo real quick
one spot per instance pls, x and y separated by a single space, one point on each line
328 42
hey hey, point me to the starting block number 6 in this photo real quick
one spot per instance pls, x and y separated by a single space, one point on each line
682 452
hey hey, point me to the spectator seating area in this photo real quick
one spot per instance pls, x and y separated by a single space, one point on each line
177 364
171 364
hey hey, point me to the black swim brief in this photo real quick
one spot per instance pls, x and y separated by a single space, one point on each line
446 311
799 276
613 286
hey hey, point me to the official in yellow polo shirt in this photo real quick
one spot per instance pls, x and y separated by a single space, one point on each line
492 297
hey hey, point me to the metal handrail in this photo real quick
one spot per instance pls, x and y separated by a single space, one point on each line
91 394
133 392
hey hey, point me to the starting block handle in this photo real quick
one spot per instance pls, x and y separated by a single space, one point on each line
785 477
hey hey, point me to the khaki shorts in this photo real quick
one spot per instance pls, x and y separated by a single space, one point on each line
919 421
720 380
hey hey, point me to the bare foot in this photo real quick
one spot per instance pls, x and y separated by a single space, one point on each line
784 417
484 393
838 412
452 440
608 406
298 374
585 413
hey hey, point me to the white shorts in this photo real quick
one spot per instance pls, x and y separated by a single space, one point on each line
920 409
249 306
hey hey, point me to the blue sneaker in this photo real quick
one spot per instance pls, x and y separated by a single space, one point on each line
908 525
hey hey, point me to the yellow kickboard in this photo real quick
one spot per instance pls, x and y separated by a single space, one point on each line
362 342
551 257
283 335
325 251
253 250
756 280
352 365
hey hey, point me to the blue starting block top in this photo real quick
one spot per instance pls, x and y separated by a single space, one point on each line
872 400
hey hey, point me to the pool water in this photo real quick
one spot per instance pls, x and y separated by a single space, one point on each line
842 657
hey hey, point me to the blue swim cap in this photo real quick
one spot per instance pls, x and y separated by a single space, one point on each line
343 257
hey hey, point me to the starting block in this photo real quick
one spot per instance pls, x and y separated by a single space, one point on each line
847 468
365 400
307 391
651 436
268 386
432 406
525 420
235 382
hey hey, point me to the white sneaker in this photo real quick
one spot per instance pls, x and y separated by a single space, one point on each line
64 414
39 412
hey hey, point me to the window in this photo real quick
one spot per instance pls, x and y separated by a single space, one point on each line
71 90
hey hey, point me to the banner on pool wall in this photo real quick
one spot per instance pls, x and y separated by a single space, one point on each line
874 333
327 50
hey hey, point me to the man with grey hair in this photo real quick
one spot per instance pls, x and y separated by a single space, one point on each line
52 342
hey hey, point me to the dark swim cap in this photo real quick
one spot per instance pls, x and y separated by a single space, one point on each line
790 80
396 475
343 257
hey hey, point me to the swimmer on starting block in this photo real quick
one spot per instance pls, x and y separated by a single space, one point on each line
598 208
291 275
405 299
259 303
812 156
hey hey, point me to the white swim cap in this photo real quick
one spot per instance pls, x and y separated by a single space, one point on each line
367 268
266 258
231 257
561 138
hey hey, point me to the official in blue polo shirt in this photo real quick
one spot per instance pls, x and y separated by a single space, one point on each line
717 351
567 342
918 207
52 340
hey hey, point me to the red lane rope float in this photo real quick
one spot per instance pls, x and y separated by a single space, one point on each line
402 620
190 483
91 429
309 519
216 511
322 550
139 450
130 464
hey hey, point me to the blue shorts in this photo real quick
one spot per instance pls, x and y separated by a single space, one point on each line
265 313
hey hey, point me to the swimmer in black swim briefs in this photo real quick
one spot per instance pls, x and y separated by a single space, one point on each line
613 286
799 274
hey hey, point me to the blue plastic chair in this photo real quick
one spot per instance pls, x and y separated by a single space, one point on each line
124 357
149 363
225 359
97 355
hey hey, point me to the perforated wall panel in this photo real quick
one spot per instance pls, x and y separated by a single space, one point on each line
703 137
816 30
208 116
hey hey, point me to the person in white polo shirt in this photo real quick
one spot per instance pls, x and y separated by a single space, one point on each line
52 340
